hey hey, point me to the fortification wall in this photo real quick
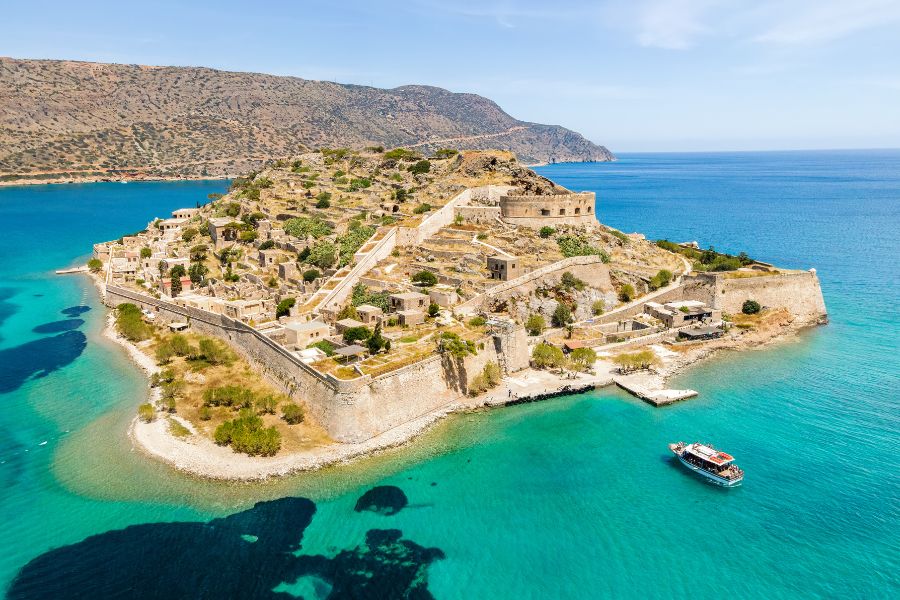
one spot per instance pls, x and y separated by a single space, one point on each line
349 410
478 214
343 289
552 210
800 292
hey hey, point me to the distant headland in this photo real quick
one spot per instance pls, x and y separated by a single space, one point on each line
79 121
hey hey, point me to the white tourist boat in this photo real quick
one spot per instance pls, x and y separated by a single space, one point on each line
705 460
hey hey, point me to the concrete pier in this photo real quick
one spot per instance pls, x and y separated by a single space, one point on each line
643 387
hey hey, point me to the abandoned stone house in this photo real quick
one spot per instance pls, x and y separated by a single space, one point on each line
683 312
504 268
409 301
184 213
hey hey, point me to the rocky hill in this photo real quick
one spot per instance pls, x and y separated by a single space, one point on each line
64 119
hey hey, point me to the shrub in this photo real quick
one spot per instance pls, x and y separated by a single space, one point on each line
377 342
750 307
546 231
267 245
661 279
233 396
130 324
284 307
445 153
477 321
422 208
422 166
302 227
146 252
311 275
348 312
569 281
546 356
164 353
576 245
95 265
535 324
197 272
401 154
146 413
626 293
323 200
425 278
267 404
433 309
360 183
213 352
247 435
598 307
349 243
362 295
188 234
292 413
323 255
356 334
324 345
248 236
454 345
583 357
562 316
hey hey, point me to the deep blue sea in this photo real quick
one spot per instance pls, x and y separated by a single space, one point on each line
570 498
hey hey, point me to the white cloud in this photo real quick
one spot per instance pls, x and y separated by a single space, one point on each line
812 22
672 24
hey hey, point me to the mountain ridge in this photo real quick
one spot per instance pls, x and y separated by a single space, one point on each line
62 118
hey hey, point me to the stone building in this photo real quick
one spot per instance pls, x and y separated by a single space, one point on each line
302 334
504 267
443 295
552 210
221 233
368 314
184 213
409 301
411 317
683 312
268 258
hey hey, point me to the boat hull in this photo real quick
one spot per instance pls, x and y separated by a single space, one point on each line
710 476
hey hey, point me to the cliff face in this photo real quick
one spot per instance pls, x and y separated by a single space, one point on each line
60 117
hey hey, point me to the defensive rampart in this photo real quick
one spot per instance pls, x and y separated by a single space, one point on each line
550 210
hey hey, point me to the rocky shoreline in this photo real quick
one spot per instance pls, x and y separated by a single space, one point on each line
105 179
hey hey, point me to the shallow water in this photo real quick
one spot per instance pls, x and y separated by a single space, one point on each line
573 497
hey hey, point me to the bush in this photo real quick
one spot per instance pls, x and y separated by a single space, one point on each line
661 279
302 227
562 316
323 345
377 342
576 245
535 324
546 356
425 278
598 307
323 200
164 353
267 404
487 379
204 413
360 183
233 396
477 321
433 309
422 208
292 413
95 265
422 166
546 231
146 413
454 345
626 293
348 312
130 323
750 307
583 357
349 243
248 236
188 234
146 252
247 435
284 307
569 281
445 153
267 245
401 154
323 255
311 275
356 334
213 352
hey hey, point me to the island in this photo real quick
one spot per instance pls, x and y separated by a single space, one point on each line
341 301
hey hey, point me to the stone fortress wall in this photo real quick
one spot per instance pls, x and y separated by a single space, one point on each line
549 210
349 410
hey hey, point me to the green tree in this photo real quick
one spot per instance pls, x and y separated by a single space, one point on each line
348 312
545 356
425 278
661 279
569 281
583 357
197 272
422 208
189 234
598 307
376 341
311 275
284 307
180 345
323 255
146 252
95 265
433 309
750 307
562 316
546 231
146 413
356 334
636 361
164 353
422 166
175 286
266 405
535 324
626 293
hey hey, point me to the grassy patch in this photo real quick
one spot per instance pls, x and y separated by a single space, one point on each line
177 429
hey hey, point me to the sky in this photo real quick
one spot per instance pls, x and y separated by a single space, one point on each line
638 75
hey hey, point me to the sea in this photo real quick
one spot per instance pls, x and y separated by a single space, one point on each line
574 497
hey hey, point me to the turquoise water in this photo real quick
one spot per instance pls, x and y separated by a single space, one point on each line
569 498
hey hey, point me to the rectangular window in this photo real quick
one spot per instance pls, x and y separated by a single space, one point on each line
562 211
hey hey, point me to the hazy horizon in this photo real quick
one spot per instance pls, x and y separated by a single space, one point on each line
644 76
